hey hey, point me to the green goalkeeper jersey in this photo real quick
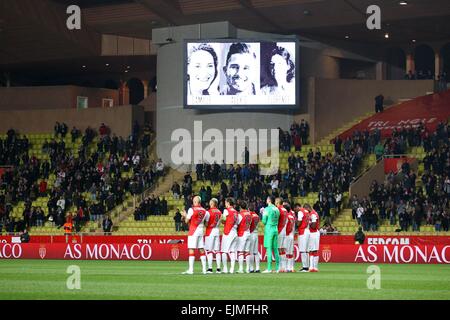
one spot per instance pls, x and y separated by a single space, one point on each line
270 219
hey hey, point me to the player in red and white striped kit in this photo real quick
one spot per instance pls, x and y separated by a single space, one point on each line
281 233
303 234
243 231
195 217
289 240
254 254
212 236
314 241
231 219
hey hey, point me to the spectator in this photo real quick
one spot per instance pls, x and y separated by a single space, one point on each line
107 225
246 156
359 213
199 171
355 206
43 188
164 207
25 237
68 226
176 191
445 221
177 218
338 201
379 101
159 167
360 236
379 151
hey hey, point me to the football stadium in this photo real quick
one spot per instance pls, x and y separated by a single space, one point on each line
224 150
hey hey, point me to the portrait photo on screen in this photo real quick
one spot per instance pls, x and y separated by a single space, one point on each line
278 69
240 69
203 68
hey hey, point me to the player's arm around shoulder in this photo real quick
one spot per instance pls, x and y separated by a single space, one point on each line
265 216
224 216
187 216
207 217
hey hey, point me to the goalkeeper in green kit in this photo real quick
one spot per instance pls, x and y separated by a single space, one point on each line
270 220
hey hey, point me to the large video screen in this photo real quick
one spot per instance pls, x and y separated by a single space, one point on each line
241 74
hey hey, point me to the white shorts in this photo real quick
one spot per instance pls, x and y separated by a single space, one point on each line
303 241
289 244
195 242
229 243
281 241
314 239
254 243
212 243
243 243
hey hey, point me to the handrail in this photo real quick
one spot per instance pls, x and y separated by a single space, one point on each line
403 155
364 172
378 160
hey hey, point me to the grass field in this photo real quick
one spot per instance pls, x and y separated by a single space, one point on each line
46 279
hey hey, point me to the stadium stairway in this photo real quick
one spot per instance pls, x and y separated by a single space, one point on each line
326 140
124 214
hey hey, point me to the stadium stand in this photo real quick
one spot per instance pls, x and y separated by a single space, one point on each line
56 176
412 141
207 184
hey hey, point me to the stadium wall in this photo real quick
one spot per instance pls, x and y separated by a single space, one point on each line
118 119
361 187
53 97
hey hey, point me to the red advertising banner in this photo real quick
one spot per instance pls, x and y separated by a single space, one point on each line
415 254
163 239
429 109
395 164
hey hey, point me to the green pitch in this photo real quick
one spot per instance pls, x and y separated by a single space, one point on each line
46 279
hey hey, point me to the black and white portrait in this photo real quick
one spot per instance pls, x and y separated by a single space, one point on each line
278 69
202 69
241 69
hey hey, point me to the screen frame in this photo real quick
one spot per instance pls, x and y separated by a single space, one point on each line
249 107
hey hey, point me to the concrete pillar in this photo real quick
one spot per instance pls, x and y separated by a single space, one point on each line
380 71
8 79
145 83
438 65
124 94
410 65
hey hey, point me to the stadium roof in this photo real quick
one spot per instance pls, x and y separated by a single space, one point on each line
28 28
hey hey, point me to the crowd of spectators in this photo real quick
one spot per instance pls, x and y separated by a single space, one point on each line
327 175
424 75
296 137
99 173
400 140
14 148
151 206
400 200
442 78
